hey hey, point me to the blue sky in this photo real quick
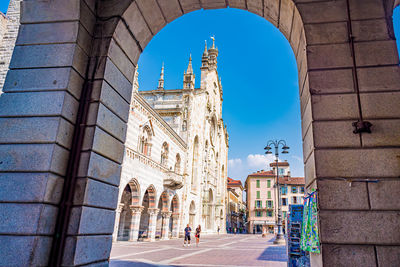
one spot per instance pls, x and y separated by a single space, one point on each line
259 79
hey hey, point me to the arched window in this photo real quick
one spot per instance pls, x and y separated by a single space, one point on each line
216 166
178 163
145 141
195 162
164 154
184 126
221 185
213 131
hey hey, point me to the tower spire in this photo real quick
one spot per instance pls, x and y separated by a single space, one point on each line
213 54
190 67
161 80
205 53
213 45
188 77
204 58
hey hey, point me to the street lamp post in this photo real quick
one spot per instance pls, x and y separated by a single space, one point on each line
279 239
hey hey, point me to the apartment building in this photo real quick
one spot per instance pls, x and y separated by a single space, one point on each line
262 197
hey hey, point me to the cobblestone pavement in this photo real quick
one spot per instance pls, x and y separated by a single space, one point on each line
213 251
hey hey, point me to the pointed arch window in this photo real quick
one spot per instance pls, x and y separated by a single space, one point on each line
145 141
195 163
164 154
184 126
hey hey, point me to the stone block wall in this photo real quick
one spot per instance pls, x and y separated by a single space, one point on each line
3 25
7 39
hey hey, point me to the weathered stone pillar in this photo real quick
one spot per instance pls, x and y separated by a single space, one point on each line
165 225
151 234
135 222
175 225
117 220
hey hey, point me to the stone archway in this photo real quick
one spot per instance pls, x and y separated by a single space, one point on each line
128 213
125 214
148 217
163 216
348 71
174 220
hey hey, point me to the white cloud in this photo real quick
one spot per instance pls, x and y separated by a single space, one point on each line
300 159
234 162
259 161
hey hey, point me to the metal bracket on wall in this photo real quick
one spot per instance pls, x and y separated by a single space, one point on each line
362 127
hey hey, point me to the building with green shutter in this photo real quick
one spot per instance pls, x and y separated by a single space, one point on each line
261 195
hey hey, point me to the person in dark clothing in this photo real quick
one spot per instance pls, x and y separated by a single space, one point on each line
198 231
187 235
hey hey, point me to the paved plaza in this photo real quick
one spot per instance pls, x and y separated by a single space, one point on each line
214 250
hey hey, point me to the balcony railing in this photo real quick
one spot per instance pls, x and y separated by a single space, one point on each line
173 180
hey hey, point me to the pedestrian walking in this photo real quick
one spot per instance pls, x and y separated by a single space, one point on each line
198 231
218 229
187 235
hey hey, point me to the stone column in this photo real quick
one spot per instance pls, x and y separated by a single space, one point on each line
117 219
175 225
135 221
151 234
165 225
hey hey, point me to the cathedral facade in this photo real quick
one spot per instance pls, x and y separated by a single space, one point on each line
174 170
